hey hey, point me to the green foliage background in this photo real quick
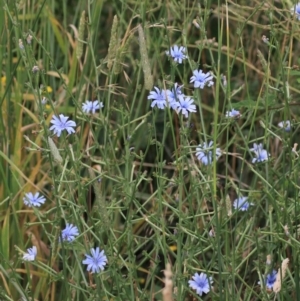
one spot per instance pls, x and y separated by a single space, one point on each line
129 178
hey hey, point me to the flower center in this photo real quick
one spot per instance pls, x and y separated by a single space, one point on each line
184 105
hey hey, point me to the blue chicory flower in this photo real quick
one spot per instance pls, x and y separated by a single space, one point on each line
241 203
185 105
233 114
62 123
177 53
295 10
261 156
201 79
201 283
204 153
270 280
173 94
285 125
256 147
69 233
96 262
260 153
35 200
31 254
159 98
91 106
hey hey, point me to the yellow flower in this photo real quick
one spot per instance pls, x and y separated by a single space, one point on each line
3 80
173 248
49 89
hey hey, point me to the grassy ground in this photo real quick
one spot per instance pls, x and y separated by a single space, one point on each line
130 178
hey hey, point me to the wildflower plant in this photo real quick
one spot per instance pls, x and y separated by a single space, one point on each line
158 97
270 279
233 114
31 254
201 283
241 203
33 200
96 261
261 155
173 95
295 10
185 105
206 154
156 177
178 53
256 147
201 79
285 125
62 123
90 107
69 233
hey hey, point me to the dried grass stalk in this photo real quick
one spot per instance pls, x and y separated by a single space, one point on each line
113 44
228 205
122 50
263 62
145 60
280 276
168 289
81 30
